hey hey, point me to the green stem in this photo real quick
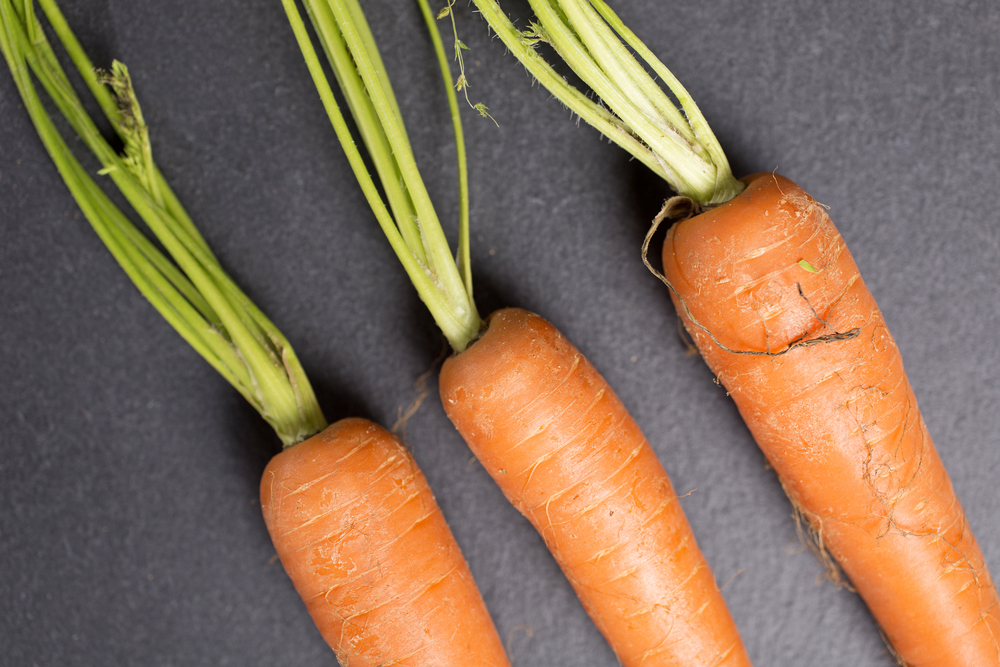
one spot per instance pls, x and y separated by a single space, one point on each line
521 45
417 240
109 105
588 35
727 186
195 295
463 255
366 118
439 260
675 154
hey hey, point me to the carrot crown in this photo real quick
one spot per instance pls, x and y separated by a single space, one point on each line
637 113
443 281
192 292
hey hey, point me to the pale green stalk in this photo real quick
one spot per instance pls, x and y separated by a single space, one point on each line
726 186
108 104
521 45
463 258
360 106
685 170
676 143
443 283
440 262
623 68
195 295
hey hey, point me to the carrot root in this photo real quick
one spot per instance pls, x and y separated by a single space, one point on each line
568 456
774 301
362 538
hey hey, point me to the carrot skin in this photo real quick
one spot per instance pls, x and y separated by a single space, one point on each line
568 456
818 378
362 538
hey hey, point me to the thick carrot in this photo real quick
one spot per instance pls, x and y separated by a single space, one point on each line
568 456
774 301
360 534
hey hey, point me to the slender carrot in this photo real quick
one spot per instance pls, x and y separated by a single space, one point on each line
567 454
775 303
533 410
349 512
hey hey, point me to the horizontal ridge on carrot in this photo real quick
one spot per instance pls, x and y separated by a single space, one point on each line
773 300
349 512
541 419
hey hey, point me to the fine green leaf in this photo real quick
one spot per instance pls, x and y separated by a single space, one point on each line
807 266
462 85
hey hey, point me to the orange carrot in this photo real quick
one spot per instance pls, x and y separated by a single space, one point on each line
567 454
775 303
351 515
363 540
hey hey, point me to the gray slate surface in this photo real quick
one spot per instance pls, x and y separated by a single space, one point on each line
130 532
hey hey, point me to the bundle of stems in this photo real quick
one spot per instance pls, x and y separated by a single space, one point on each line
409 221
672 138
192 291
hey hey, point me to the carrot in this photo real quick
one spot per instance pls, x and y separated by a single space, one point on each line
774 301
366 546
363 540
775 304
567 454
350 514
537 415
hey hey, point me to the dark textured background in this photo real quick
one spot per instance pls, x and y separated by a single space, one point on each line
130 531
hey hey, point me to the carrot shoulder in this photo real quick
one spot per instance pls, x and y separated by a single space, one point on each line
360 534
805 353
567 454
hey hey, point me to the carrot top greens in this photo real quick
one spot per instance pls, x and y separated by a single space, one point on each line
192 292
637 114
409 221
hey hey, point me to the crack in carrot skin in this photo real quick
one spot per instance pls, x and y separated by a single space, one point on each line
837 419
362 538
577 466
